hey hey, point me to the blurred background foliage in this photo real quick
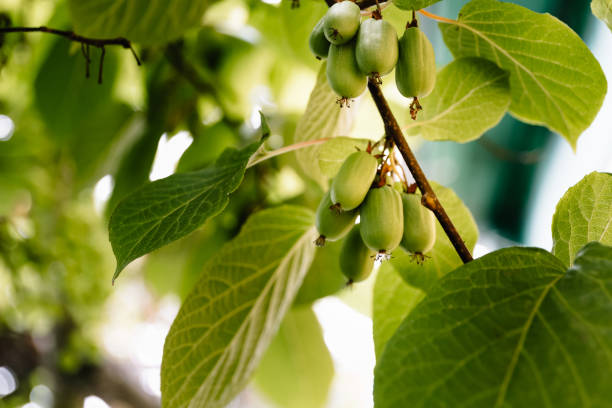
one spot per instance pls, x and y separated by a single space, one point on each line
70 149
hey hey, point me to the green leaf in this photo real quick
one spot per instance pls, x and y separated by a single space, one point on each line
297 369
442 258
393 300
324 277
554 79
332 153
512 329
583 214
143 21
413 4
233 312
471 96
323 118
602 9
170 208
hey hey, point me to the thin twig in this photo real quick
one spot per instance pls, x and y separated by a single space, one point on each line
96 42
429 200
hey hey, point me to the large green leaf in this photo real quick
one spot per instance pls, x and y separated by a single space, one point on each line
584 214
323 118
170 208
144 21
471 96
332 153
232 314
442 258
554 79
297 369
603 11
511 329
413 4
393 299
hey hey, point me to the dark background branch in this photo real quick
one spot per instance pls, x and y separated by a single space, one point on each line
96 42
85 42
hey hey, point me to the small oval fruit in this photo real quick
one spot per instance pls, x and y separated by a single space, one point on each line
376 48
317 41
342 71
341 22
352 182
415 72
419 225
382 220
332 224
356 259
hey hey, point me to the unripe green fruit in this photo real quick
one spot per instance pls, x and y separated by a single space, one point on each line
356 259
419 225
382 219
332 224
415 72
341 22
376 49
343 74
317 41
351 184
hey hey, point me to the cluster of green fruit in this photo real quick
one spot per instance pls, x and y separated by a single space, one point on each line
356 50
388 218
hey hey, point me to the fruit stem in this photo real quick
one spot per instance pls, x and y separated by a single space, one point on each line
429 199
414 22
377 14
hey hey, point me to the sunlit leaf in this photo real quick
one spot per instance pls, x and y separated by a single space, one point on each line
232 314
323 118
554 79
583 214
603 11
470 97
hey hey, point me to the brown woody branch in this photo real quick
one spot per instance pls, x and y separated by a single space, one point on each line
85 42
429 200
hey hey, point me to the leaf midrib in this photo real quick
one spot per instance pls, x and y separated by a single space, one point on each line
258 301
501 396
248 317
